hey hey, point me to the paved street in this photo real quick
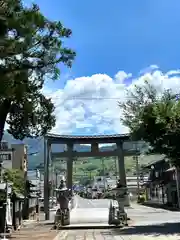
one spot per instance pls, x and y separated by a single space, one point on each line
142 215
89 211
143 233
146 223
96 211
92 203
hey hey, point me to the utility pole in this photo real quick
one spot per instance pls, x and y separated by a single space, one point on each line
5 209
103 167
90 175
1 171
177 184
115 167
135 158
38 179
56 182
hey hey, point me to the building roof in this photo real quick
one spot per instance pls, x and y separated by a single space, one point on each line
160 159
172 169
56 137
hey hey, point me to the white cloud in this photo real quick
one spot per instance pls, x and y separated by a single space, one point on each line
88 105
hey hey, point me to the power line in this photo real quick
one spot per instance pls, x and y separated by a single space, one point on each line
93 98
177 98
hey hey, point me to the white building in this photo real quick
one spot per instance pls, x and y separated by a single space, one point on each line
19 160
6 155
100 182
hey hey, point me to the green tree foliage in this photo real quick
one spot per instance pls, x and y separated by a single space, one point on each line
16 177
91 168
155 119
31 52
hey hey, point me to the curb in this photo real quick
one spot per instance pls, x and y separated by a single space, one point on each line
154 205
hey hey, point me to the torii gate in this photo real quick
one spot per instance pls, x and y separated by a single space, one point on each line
70 154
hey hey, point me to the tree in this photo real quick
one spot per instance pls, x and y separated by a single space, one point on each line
16 177
91 168
31 53
155 119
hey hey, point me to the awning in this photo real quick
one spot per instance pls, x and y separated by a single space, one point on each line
171 169
33 196
19 196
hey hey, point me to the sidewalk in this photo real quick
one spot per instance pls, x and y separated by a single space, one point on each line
160 205
42 230
35 231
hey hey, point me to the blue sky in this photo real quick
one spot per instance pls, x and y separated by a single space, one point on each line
118 35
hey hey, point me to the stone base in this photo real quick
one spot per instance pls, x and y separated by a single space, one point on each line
127 201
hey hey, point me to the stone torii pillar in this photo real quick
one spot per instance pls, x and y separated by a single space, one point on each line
70 165
121 165
121 168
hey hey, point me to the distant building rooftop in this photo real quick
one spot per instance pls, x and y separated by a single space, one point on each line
161 158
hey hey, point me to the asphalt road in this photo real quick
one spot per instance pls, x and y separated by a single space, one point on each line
143 233
92 203
146 223
96 211
89 211
142 215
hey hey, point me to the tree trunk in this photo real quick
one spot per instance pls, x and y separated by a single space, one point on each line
4 110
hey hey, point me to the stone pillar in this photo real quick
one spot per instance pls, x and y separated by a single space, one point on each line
95 147
121 165
70 165
47 151
121 168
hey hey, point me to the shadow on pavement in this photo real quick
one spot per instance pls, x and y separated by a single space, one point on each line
156 230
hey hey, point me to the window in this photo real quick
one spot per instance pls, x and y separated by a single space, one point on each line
3 145
5 157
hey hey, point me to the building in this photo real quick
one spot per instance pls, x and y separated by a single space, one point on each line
19 157
100 182
132 183
161 187
13 157
6 155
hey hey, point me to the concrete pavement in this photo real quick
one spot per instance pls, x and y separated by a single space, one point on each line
96 212
147 223
142 215
92 203
127 234
90 211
